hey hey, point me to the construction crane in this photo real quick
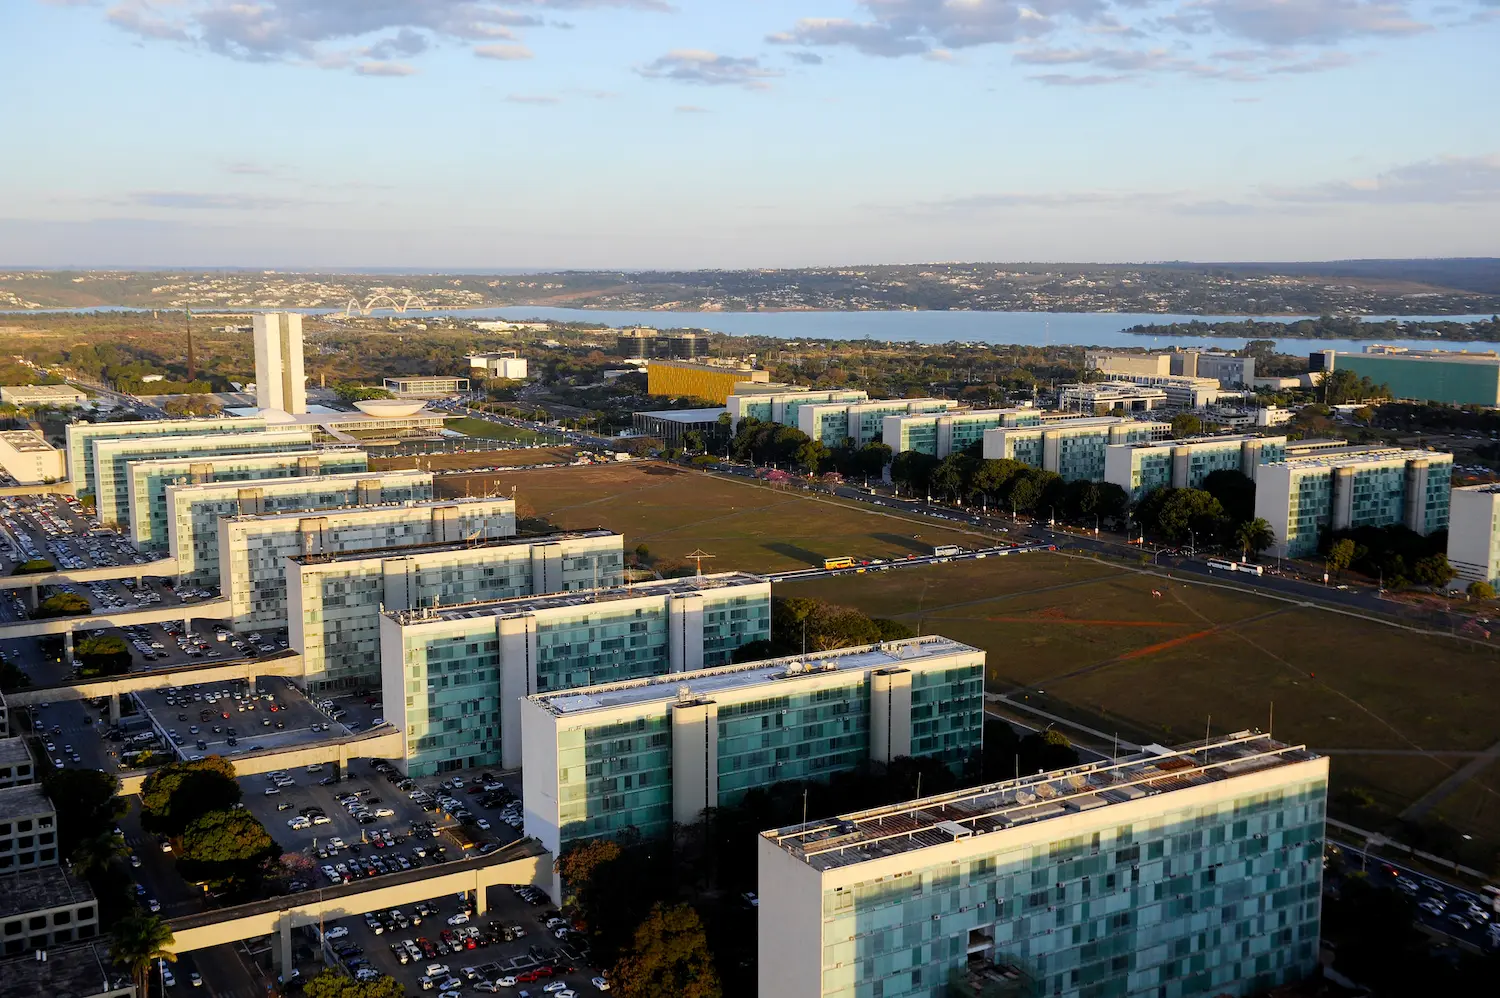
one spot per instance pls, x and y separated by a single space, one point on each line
697 555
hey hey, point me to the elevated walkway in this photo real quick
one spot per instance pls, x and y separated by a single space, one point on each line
211 609
521 862
384 742
161 568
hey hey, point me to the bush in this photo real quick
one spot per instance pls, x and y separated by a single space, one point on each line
1481 590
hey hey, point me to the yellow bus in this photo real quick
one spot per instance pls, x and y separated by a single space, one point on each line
829 564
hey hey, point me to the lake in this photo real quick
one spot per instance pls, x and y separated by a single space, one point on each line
1103 329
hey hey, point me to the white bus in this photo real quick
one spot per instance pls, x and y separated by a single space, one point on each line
1235 566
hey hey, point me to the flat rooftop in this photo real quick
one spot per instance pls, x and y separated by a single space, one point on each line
302 514
1228 438
909 826
685 415
521 605
1489 358
704 683
403 550
23 802
1353 456
254 457
25 440
13 751
1490 488
291 482
83 970
42 888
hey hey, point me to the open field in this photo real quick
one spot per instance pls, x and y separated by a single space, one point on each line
470 460
1088 640
486 430
745 526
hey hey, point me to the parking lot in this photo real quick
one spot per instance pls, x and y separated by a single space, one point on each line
228 719
508 950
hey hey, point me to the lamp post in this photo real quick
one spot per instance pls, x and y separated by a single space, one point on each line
1192 543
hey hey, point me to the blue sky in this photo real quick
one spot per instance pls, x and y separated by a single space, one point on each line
737 133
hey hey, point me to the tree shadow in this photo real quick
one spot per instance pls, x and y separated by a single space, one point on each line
793 551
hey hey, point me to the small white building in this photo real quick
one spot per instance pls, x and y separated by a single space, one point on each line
504 364
32 395
29 459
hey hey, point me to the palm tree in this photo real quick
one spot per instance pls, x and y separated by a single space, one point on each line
96 854
141 940
1254 535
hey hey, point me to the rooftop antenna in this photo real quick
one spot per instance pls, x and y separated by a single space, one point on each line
698 555
1207 727
1271 723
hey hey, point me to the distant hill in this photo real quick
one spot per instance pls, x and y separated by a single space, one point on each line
1478 274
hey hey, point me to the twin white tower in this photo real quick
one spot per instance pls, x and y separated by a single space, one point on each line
280 385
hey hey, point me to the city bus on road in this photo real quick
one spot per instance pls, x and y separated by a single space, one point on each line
1236 566
946 550
829 564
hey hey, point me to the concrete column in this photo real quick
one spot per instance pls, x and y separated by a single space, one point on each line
67 646
35 594
1181 461
138 580
1341 505
518 655
685 632
250 683
1051 450
114 708
1416 495
286 964
890 714
695 759
481 894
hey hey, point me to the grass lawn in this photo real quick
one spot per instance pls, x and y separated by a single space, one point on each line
745 526
486 430
1089 641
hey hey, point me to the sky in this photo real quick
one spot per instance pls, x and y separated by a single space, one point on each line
641 134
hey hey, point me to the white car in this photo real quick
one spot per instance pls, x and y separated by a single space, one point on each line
298 823
555 986
437 970
600 983
461 918
336 932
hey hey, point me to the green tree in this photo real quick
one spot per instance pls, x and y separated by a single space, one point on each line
1481 590
671 957
1185 424
181 792
913 470
1433 570
1190 514
810 456
94 855
87 803
234 836
1235 492
1340 554
62 605
1253 537
580 862
350 392
332 984
35 566
102 655
139 941
12 677
822 626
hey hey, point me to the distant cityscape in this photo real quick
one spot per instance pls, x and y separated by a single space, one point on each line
1369 288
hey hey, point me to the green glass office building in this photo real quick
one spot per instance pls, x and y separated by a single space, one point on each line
641 755
149 480
334 601
1170 873
453 678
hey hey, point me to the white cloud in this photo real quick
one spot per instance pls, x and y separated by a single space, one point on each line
504 53
709 69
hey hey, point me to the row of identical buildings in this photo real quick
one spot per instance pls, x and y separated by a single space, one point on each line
1303 488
